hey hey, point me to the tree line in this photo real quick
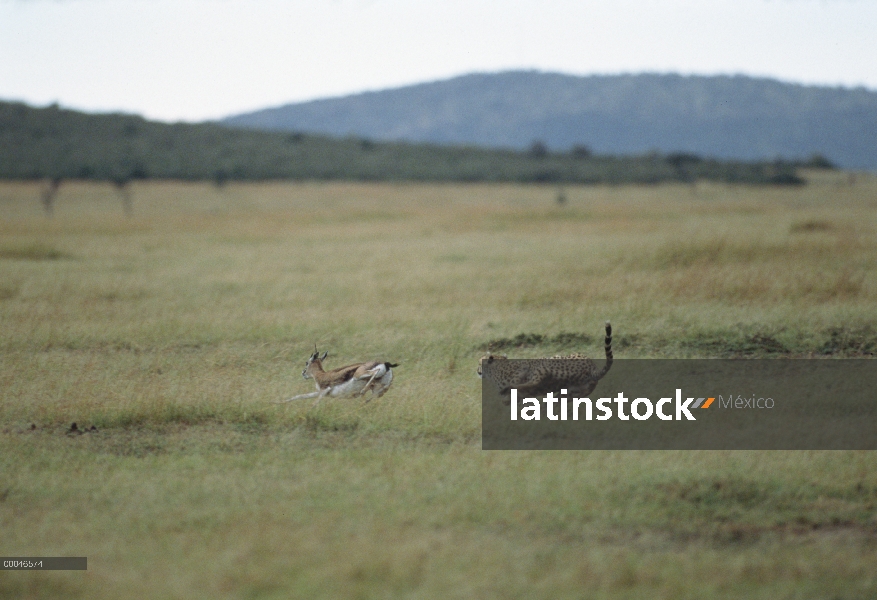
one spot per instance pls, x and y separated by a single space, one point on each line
56 144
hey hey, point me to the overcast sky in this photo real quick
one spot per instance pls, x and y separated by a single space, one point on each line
202 59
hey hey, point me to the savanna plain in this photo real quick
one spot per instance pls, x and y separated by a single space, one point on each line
173 330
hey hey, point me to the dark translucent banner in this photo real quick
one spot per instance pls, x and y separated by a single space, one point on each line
681 405
44 563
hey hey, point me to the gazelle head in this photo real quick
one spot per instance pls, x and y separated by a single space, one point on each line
315 360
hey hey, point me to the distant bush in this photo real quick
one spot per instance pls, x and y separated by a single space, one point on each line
538 149
785 179
579 151
681 159
817 161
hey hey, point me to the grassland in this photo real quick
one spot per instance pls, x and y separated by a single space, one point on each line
172 331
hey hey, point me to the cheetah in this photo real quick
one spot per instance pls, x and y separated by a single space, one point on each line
575 372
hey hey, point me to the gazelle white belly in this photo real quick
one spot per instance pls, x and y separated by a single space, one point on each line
351 387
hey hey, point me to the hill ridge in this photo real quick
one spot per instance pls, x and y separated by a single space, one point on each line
723 116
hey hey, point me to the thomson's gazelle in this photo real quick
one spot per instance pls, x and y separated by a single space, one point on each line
346 382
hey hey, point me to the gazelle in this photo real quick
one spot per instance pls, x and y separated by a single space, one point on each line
346 382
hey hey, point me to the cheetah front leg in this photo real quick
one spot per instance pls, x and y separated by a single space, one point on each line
530 380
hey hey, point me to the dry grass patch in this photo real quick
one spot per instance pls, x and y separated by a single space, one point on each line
172 331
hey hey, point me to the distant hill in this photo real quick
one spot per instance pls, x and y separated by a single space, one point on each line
737 117
55 143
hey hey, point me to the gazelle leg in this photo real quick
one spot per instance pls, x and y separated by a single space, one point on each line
385 382
321 395
380 387
368 385
299 397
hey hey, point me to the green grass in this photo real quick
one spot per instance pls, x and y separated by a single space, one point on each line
173 331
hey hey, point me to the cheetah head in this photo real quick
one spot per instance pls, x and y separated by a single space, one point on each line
488 359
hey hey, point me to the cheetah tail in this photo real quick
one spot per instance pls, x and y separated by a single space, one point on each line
608 346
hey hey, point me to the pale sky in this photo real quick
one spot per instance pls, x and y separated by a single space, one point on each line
203 59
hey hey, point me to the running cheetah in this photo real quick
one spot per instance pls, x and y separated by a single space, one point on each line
575 372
